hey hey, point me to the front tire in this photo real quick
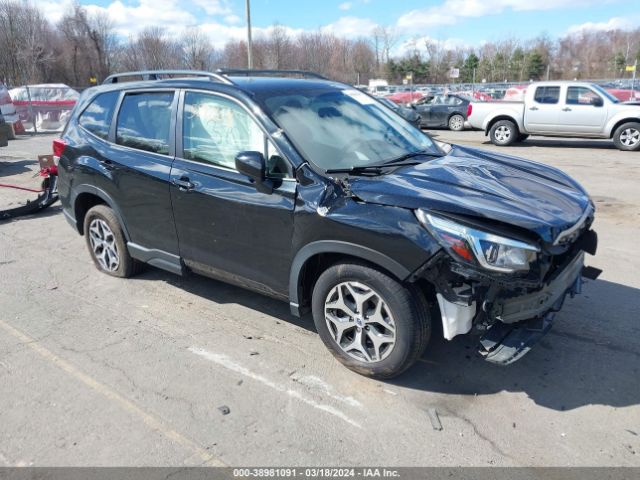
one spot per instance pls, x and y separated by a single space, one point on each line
504 133
106 243
370 322
456 123
627 137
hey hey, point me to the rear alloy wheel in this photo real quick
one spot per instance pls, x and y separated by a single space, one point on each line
456 123
369 321
504 133
627 137
106 243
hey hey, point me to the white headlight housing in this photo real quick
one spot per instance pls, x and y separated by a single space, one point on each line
492 252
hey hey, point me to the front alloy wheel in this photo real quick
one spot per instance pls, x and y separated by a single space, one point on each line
360 322
372 323
627 136
630 137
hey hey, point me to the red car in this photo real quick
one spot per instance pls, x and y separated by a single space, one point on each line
624 95
50 106
403 98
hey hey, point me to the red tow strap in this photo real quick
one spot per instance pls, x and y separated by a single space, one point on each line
45 172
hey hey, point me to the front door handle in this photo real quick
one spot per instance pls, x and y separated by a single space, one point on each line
183 184
534 108
566 109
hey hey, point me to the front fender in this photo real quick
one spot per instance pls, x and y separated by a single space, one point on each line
335 246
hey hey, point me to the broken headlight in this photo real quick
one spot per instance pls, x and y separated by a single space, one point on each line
470 245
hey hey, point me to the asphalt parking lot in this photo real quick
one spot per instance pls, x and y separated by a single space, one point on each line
164 370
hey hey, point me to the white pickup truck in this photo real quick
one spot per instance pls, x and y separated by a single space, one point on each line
559 109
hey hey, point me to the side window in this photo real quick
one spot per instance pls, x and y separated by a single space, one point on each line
548 95
144 121
581 96
216 129
97 116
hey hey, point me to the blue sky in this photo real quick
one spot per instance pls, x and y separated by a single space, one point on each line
456 22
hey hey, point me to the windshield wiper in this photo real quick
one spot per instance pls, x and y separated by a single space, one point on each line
396 162
419 153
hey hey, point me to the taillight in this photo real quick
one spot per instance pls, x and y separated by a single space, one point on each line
58 149
469 109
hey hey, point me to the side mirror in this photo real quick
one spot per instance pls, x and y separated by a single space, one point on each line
597 101
253 165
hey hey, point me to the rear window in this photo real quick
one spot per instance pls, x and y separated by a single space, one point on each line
144 121
547 94
97 116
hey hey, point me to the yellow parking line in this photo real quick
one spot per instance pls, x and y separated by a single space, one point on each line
149 420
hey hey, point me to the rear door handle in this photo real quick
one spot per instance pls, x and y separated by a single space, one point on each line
106 163
534 108
566 109
183 184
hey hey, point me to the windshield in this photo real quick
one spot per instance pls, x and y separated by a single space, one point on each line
603 92
343 128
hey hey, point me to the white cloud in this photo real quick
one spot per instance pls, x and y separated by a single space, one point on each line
419 44
350 27
214 7
451 11
622 23
233 19
220 34
345 6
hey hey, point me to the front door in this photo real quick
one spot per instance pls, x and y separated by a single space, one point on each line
583 112
226 228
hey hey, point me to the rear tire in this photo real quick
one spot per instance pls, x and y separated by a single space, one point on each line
456 123
106 243
504 133
627 137
370 322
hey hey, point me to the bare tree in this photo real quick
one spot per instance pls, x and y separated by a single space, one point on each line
197 50
278 48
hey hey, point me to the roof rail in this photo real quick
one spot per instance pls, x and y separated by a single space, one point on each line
250 72
158 74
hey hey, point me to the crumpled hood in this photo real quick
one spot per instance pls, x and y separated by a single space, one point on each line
472 182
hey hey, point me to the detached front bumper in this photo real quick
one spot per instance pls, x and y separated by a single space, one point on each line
512 315
535 304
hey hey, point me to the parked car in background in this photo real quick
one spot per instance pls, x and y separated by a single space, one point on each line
4 132
409 114
515 93
378 87
448 111
560 109
8 111
405 98
45 107
625 95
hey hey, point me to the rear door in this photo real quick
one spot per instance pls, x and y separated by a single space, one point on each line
541 113
139 165
583 111
226 228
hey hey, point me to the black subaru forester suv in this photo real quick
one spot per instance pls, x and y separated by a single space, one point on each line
313 192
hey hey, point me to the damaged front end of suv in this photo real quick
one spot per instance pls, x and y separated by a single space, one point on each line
513 235
508 288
